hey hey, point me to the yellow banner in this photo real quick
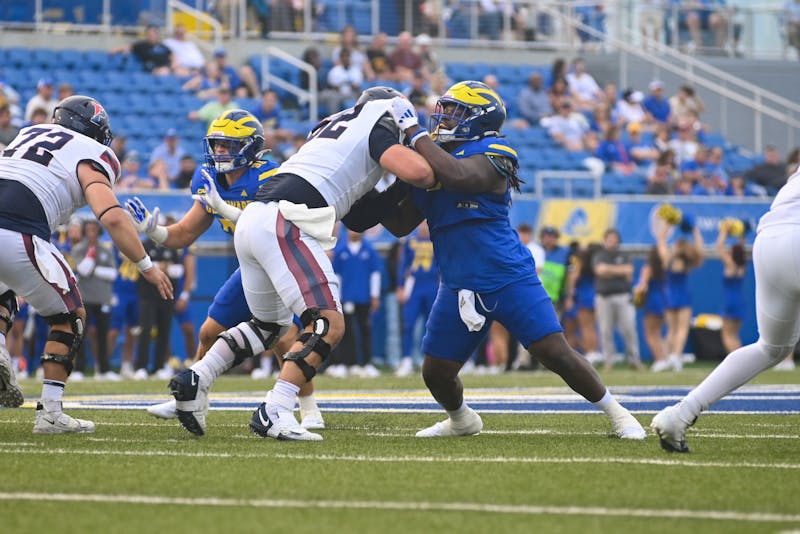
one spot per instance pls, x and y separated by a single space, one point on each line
583 221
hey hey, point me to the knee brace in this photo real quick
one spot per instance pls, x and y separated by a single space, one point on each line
251 338
8 300
72 340
312 342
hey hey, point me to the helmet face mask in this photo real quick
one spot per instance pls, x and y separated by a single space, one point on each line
84 115
233 141
467 111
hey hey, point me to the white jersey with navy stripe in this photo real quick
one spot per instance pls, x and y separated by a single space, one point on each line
785 209
45 157
336 159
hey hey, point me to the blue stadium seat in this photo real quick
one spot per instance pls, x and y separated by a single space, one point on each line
45 58
71 59
96 60
553 188
19 57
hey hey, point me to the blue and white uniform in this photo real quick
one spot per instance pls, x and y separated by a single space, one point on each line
419 275
229 307
478 250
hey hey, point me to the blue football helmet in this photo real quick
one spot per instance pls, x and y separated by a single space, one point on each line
233 141
469 110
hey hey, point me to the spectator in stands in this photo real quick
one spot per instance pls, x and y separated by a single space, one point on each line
131 175
187 59
430 62
641 152
379 57
7 130
705 185
358 266
154 55
490 19
791 17
629 108
792 161
656 106
243 82
651 19
187 168
43 99
38 116
348 40
263 11
685 105
170 151
533 101
737 187
558 92
662 135
770 173
65 90
601 119
558 71
659 180
566 127
11 98
613 152
613 271
206 83
157 174
709 15
594 16
118 146
344 84
685 144
269 113
403 58
97 269
312 56
583 87
713 166
213 109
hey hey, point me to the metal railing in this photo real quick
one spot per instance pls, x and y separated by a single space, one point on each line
567 179
304 96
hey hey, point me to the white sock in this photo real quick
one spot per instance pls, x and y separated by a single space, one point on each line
284 394
52 393
459 413
741 366
2 339
308 405
217 360
609 405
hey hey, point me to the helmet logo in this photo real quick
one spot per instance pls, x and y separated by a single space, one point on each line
99 112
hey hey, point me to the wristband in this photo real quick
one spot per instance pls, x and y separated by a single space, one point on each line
145 264
184 295
416 137
159 234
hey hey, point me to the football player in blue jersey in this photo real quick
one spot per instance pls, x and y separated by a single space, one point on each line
228 181
487 274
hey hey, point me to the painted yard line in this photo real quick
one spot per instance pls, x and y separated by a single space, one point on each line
401 459
521 509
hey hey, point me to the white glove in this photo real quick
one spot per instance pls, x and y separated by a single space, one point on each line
211 198
144 221
403 113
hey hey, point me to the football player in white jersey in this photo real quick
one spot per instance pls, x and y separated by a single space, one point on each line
280 242
777 314
46 173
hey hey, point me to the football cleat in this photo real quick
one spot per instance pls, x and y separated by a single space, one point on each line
670 429
469 426
191 401
312 421
57 422
165 410
10 393
279 424
627 427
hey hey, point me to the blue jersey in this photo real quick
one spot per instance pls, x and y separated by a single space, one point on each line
417 260
475 245
241 193
125 282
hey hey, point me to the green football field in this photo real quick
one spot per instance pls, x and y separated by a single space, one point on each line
533 469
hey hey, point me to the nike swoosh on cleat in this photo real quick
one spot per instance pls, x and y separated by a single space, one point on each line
266 423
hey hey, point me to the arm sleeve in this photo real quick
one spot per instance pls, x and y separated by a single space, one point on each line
373 207
380 139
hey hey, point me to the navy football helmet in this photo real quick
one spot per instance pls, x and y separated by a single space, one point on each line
241 137
84 115
468 110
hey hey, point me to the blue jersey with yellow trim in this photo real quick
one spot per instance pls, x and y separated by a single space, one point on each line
475 246
241 193
128 274
417 260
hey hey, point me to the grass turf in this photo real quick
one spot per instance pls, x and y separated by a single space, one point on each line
526 473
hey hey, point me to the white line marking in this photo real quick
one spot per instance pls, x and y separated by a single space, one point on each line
523 509
403 459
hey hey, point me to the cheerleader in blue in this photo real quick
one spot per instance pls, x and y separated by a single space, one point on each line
680 259
650 294
734 263
581 300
